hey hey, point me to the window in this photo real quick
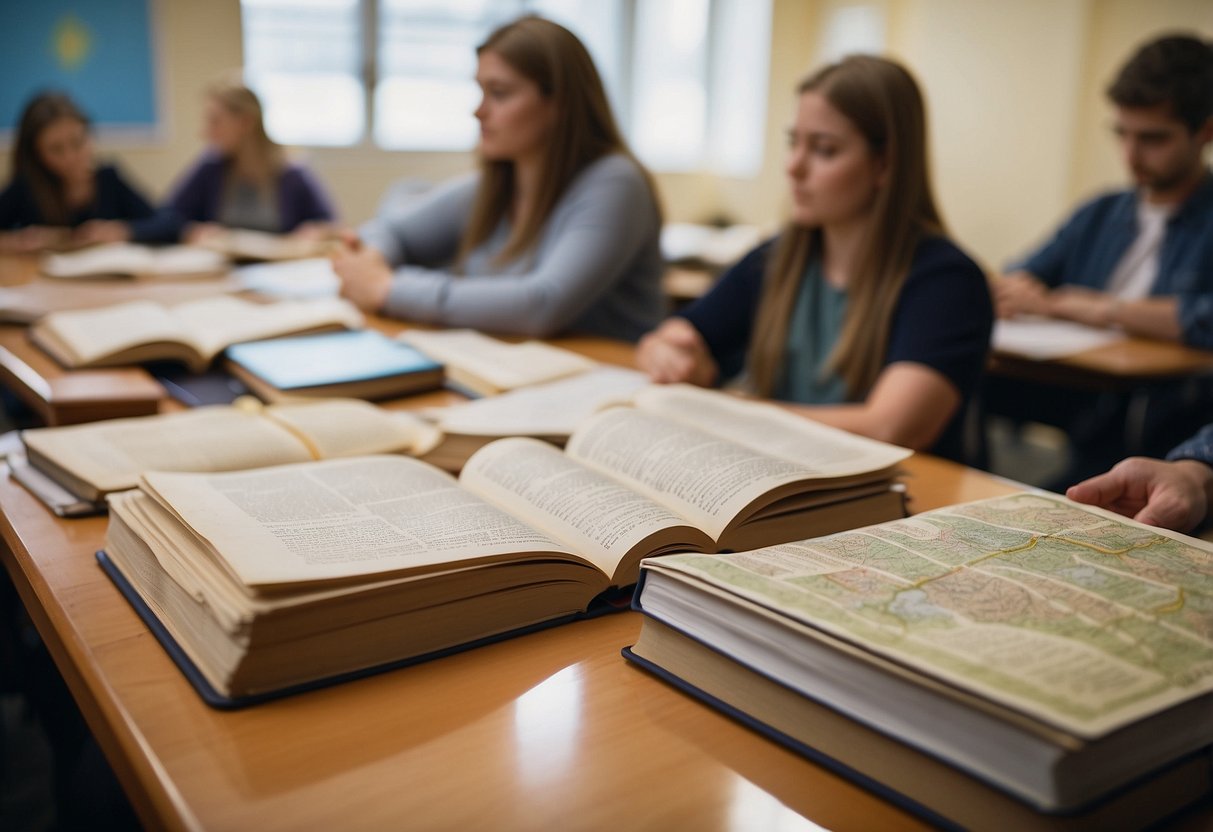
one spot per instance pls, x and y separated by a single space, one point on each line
687 78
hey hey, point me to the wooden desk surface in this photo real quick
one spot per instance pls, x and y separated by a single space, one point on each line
1118 366
551 730
548 730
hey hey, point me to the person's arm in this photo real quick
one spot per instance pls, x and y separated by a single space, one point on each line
120 206
304 201
185 205
713 331
675 352
1019 293
601 228
909 405
1153 317
938 342
1175 495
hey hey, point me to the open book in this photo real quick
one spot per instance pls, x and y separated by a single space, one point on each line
134 260
1056 652
486 366
246 244
93 460
550 411
192 333
288 575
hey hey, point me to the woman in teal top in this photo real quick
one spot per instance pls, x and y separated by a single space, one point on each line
861 310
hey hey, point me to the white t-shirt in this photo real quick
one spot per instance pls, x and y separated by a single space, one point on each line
1134 275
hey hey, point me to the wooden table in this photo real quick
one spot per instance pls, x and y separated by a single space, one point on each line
551 730
1120 366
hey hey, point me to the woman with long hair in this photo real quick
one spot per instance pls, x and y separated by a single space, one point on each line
244 179
557 231
861 310
58 185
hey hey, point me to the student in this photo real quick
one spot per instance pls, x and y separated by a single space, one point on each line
57 183
243 180
559 229
861 309
1139 259
1176 494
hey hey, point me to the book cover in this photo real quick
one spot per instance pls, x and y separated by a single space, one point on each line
334 358
609 602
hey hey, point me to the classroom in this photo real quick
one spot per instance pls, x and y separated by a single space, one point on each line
682 414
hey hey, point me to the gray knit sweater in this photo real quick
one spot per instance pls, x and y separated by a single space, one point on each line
596 268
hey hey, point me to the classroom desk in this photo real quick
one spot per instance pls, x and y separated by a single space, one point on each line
1122 366
550 730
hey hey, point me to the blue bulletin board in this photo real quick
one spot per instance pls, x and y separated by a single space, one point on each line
100 52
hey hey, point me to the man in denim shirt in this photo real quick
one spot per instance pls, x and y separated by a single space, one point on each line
1140 260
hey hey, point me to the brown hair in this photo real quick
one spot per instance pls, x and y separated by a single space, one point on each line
42 111
236 98
1175 70
883 101
556 61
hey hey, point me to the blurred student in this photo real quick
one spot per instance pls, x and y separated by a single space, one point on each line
243 180
1139 259
57 184
558 231
1175 494
861 310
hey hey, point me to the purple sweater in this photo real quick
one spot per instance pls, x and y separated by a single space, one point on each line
198 194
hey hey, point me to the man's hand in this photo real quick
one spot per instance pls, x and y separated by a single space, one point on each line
1019 293
1174 495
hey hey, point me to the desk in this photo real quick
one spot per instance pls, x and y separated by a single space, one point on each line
551 730
1117 367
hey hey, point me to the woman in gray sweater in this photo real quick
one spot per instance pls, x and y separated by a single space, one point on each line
557 232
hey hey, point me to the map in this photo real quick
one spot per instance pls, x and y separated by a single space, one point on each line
1075 615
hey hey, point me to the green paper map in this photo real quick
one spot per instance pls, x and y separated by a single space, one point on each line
1076 616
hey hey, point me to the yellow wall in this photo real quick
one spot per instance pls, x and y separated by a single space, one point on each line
1015 90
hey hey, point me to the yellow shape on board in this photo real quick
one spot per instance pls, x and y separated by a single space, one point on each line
72 42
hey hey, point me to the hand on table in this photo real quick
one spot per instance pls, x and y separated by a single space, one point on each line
1174 495
675 352
365 275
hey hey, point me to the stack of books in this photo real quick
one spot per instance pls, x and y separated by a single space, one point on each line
268 581
1019 662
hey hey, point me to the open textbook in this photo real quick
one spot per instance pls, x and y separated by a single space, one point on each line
246 244
1055 652
486 366
135 260
287 575
550 411
95 459
193 332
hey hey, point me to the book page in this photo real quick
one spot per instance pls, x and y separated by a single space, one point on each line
342 519
1047 338
259 245
551 409
594 514
112 454
310 278
827 451
224 320
503 365
703 477
134 259
351 427
1079 617
92 334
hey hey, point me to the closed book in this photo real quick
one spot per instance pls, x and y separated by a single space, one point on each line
1056 652
360 364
